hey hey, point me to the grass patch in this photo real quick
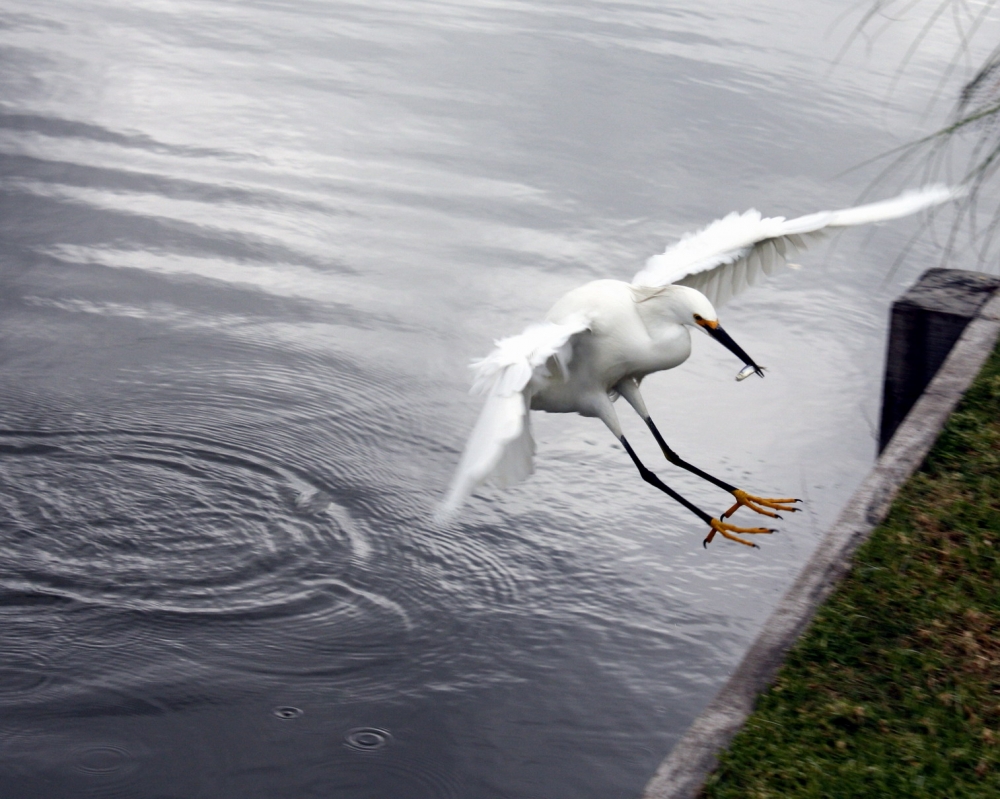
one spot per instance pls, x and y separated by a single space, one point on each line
895 688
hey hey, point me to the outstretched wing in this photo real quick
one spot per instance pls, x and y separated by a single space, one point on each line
500 447
739 250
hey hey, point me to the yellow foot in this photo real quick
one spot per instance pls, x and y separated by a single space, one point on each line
726 531
759 504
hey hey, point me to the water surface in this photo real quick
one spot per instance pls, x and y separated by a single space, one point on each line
247 252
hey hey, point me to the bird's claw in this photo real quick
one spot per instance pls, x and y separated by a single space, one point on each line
760 504
726 530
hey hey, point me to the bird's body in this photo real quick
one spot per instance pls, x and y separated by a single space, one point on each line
601 339
626 338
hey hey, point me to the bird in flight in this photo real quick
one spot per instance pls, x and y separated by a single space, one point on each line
600 340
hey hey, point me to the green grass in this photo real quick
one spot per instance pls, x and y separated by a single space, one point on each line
894 691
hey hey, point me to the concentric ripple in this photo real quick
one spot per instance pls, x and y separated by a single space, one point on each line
102 766
367 739
388 777
102 759
164 524
154 541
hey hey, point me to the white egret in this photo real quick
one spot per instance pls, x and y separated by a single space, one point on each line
600 340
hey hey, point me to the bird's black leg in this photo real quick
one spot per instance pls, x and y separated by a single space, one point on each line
653 480
716 525
758 504
629 389
676 460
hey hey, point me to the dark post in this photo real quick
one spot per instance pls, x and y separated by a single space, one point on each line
926 322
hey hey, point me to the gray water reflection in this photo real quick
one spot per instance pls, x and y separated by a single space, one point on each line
247 251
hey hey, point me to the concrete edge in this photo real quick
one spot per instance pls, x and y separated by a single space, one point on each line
695 756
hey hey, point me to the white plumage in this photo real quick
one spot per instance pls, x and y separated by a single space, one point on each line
737 251
501 445
601 339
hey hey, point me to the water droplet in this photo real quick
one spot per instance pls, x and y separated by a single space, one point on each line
287 712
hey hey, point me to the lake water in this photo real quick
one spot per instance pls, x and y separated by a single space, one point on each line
248 250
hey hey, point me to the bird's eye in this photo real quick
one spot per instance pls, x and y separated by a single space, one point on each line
697 318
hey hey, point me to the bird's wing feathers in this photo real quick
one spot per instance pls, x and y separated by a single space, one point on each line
721 261
500 447
739 250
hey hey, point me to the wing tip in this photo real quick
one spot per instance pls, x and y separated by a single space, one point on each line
936 194
908 202
446 512
444 515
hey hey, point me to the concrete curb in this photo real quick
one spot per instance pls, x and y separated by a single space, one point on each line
695 756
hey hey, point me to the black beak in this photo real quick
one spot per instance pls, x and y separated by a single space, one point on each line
726 341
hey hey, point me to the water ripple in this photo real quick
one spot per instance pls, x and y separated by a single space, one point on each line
152 537
106 767
163 523
367 739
